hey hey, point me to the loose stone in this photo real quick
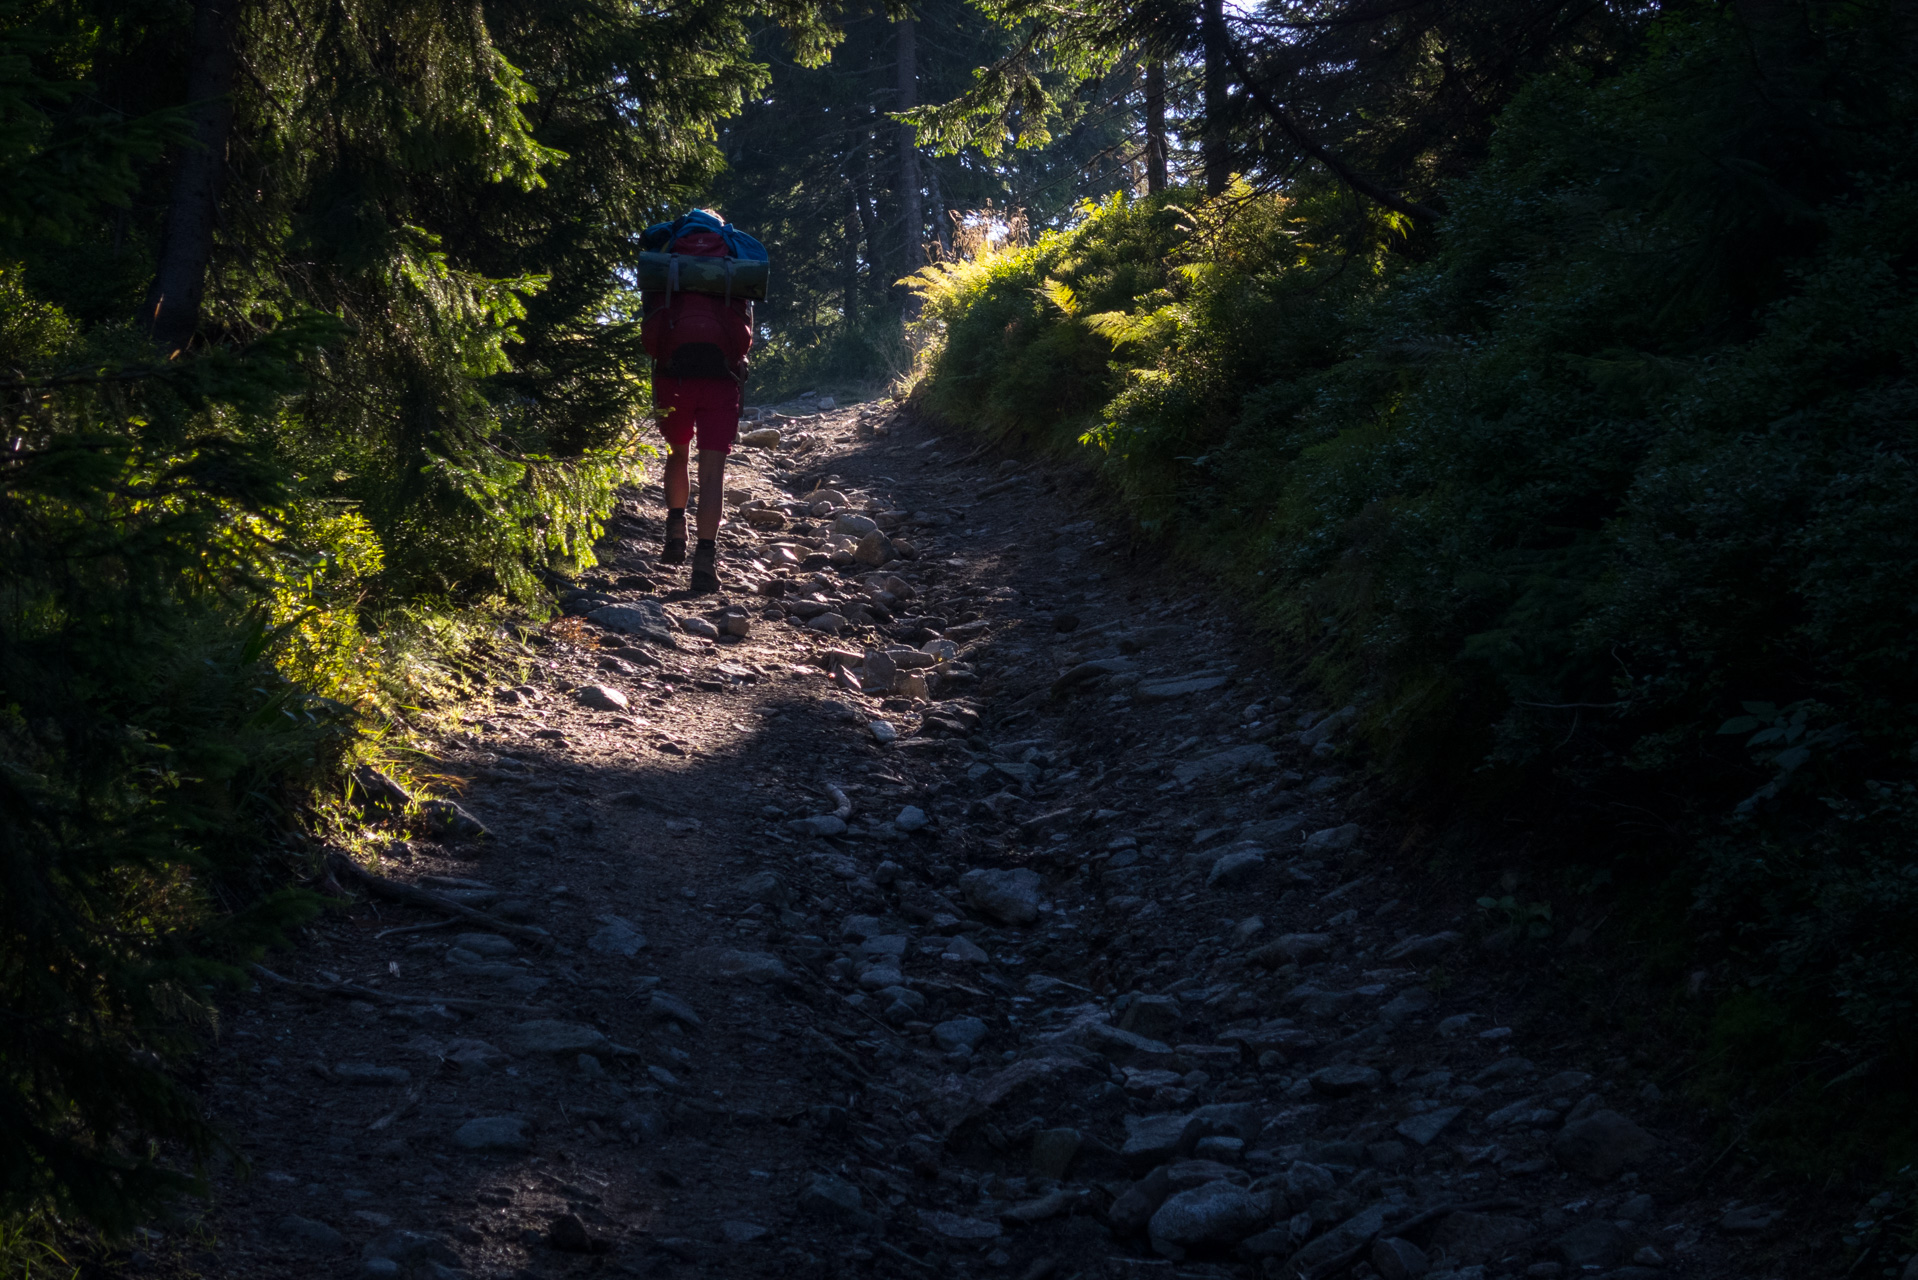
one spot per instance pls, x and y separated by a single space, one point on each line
664 1007
1333 839
1602 1145
602 698
746 966
959 1033
1234 871
1010 897
549 1035
1427 1125
1338 1080
316 1236
618 938
1213 1214
493 1133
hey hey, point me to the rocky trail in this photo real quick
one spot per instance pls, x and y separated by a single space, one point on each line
949 897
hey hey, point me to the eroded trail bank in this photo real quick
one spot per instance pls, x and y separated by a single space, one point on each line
1091 964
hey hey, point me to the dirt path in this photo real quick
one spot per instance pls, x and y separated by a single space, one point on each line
1098 965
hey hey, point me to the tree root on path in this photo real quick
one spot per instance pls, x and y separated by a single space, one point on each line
412 928
825 1042
398 891
895 1251
354 991
1332 1266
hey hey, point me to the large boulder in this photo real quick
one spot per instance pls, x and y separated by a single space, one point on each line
1217 1213
1136 1204
875 549
601 697
742 966
494 1133
1348 1235
1592 1246
1602 1145
1154 1140
1234 870
646 619
1010 897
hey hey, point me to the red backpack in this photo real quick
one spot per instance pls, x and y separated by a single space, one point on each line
697 335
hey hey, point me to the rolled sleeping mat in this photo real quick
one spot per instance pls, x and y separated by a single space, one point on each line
689 273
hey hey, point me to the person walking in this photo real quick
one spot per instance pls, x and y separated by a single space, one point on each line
698 278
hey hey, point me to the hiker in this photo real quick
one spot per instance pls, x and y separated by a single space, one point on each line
698 278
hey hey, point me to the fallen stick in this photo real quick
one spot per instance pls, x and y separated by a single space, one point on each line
411 928
401 892
1066 812
895 1251
936 984
354 991
837 1052
406 1104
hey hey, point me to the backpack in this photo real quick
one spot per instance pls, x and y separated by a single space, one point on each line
661 237
695 325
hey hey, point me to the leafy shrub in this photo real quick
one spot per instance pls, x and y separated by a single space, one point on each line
1014 353
149 750
401 406
1627 447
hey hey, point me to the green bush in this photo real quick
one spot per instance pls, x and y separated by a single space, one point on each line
232 549
1621 459
150 752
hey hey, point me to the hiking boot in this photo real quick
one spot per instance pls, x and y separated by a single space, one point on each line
705 571
674 552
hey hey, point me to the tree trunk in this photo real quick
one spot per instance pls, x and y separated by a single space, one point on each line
193 205
868 216
1155 156
941 216
1212 144
912 211
852 255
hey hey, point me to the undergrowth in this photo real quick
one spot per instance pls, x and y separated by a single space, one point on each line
1599 500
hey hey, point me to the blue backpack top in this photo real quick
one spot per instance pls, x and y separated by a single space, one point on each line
738 243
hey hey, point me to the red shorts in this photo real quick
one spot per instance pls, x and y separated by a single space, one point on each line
708 407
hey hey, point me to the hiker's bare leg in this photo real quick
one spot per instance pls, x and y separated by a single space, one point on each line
672 549
712 490
678 485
